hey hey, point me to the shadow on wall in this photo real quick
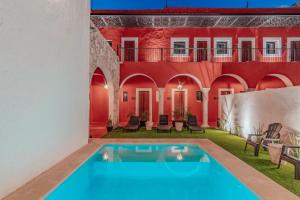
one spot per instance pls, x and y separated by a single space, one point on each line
252 110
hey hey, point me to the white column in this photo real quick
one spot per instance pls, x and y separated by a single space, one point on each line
205 92
161 100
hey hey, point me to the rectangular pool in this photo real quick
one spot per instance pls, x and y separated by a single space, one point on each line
151 172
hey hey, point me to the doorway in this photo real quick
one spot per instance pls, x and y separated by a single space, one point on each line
246 51
221 92
179 102
144 104
295 51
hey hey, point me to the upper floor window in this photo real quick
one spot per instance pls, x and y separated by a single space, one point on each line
272 46
223 47
179 46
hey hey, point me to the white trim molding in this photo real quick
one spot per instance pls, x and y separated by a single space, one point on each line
220 90
205 39
228 40
136 47
289 46
137 98
185 99
242 39
278 46
180 39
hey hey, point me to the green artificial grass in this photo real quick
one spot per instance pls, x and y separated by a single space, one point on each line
234 144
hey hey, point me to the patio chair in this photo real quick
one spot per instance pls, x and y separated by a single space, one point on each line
291 159
272 135
133 124
163 124
192 124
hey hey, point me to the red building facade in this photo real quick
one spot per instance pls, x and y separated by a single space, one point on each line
183 60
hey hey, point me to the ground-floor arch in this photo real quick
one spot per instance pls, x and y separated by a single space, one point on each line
138 96
272 81
223 85
182 96
99 104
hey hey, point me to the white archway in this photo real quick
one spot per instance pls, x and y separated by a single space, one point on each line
188 75
237 77
283 78
134 75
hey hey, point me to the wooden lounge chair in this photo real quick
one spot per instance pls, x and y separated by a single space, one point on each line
163 124
272 135
291 159
192 124
133 124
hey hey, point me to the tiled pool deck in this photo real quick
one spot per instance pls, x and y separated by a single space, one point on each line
266 188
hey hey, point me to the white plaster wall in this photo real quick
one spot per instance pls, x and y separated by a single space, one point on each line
253 109
44 85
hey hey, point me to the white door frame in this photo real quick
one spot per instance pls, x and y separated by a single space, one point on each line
185 100
231 90
253 52
204 39
136 47
137 101
289 46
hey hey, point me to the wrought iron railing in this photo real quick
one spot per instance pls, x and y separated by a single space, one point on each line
208 55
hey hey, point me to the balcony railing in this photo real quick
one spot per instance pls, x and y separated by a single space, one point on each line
210 55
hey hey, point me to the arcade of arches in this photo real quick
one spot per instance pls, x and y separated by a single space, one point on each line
139 95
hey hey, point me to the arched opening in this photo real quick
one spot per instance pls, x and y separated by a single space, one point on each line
99 104
223 85
138 96
183 96
272 81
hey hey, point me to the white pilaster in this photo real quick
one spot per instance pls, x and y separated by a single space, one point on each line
205 92
161 101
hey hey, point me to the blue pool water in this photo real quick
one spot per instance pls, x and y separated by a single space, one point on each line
151 172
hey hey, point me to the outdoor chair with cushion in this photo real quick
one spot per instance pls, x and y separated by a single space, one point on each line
163 124
192 124
288 157
272 135
133 124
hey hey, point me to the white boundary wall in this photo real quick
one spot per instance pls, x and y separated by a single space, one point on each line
44 85
253 109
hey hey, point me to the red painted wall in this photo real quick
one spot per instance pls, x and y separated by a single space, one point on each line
160 37
221 82
207 72
194 107
98 100
270 82
162 72
129 107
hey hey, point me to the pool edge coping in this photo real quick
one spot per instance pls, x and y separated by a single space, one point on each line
225 158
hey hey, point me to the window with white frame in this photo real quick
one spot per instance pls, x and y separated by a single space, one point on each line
222 47
179 46
272 46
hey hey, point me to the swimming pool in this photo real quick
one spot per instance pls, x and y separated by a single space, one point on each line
151 172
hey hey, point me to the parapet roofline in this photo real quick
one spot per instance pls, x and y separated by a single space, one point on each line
203 11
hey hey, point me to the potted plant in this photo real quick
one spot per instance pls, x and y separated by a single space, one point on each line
109 125
145 119
178 117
